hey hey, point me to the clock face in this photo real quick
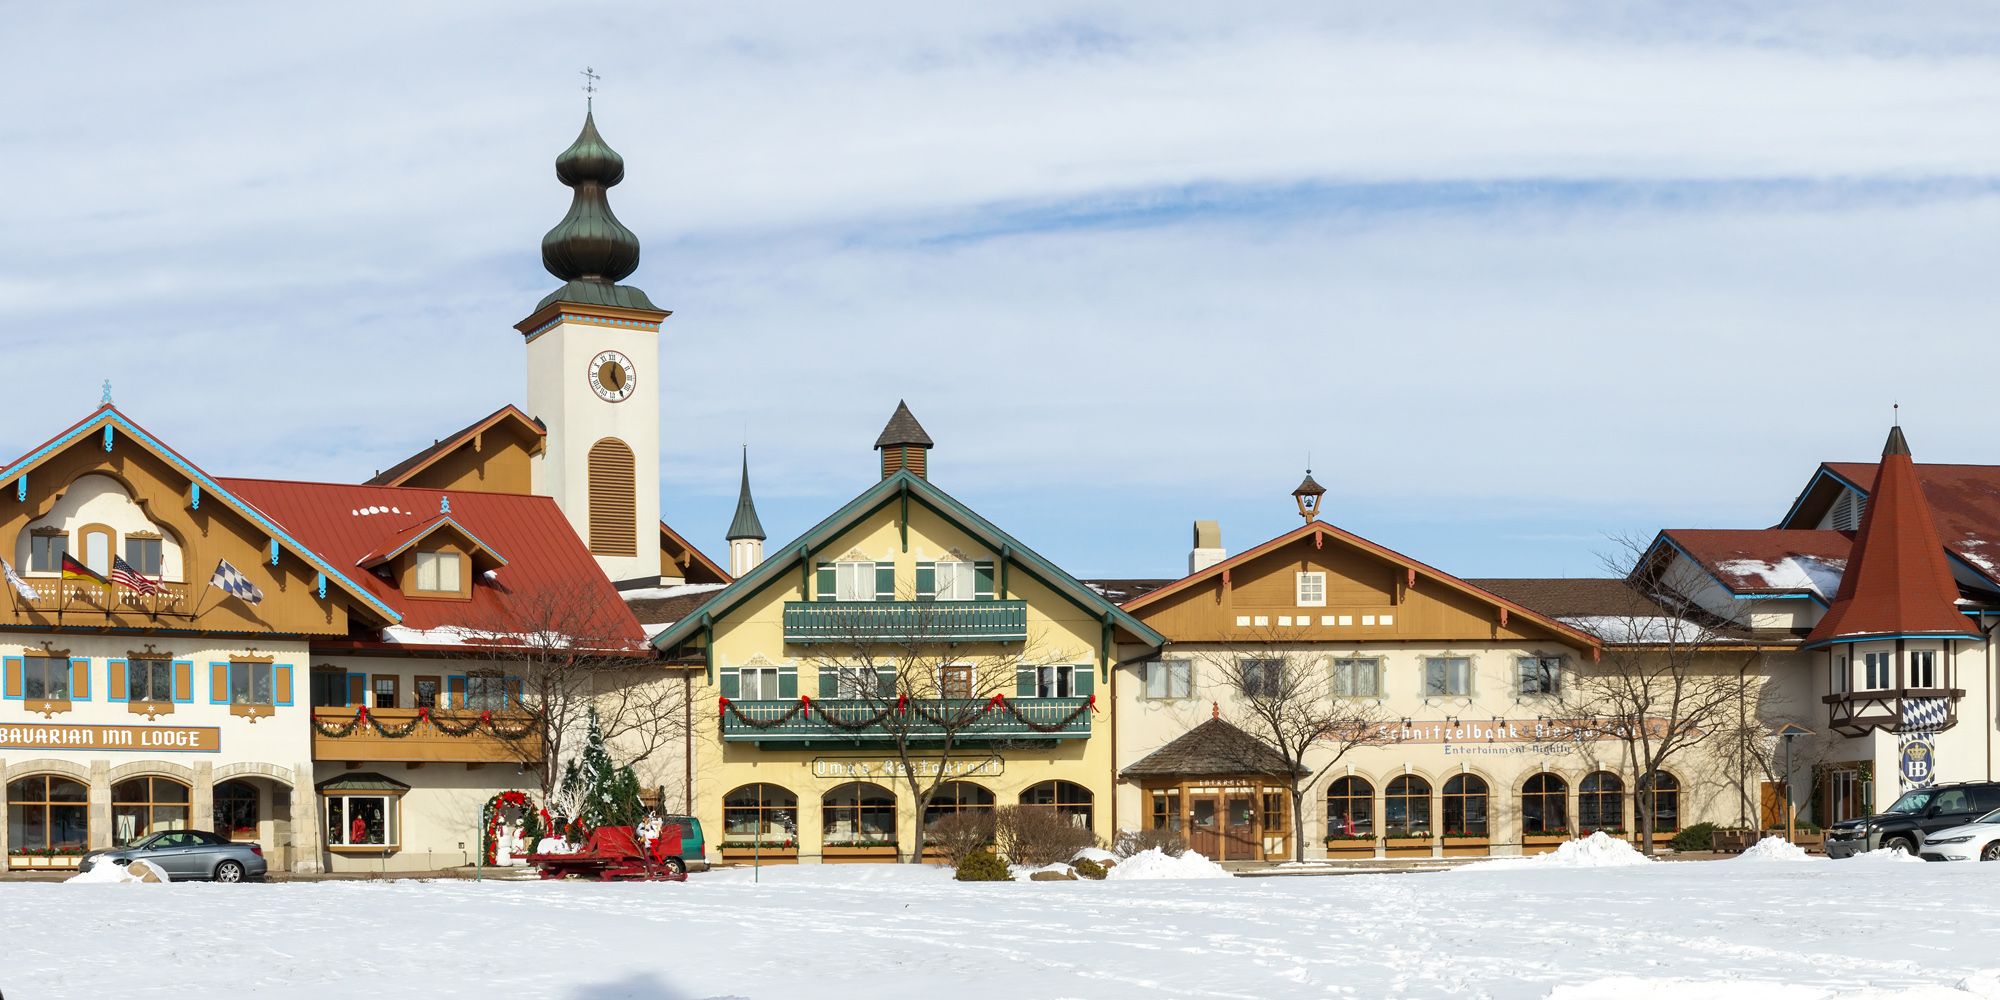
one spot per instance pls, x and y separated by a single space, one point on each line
612 376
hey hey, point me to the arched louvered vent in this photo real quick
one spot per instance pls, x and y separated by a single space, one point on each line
614 509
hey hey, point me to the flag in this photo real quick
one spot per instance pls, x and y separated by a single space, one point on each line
74 570
231 581
131 579
20 586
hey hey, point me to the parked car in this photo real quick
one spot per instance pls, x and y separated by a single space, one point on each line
694 850
1912 816
187 855
1978 840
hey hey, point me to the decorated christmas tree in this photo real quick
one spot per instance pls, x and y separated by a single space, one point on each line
601 792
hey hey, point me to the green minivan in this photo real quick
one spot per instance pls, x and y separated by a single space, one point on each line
694 849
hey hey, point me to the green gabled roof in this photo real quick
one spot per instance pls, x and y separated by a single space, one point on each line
787 558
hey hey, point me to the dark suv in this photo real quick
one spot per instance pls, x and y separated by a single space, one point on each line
1915 813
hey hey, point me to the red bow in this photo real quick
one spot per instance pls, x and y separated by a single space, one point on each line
424 712
722 706
1093 703
997 701
486 716
361 716
902 703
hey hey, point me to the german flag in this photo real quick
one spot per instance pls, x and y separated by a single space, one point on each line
73 570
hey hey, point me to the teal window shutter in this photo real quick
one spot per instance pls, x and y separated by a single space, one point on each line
1024 682
885 581
731 683
788 682
982 581
826 584
926 581
885 682
829 683
1084 681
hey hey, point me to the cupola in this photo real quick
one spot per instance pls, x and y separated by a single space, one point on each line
903 443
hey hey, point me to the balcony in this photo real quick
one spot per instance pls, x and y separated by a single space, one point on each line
865 622
339 735
84 598
852 722
1855 713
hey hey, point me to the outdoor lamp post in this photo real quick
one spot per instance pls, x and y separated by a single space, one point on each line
1308 495
1788 732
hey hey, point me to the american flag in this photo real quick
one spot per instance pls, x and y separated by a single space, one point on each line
131 579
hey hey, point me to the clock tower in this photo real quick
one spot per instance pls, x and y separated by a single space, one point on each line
594 373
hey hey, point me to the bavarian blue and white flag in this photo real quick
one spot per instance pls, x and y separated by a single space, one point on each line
231 581
20 586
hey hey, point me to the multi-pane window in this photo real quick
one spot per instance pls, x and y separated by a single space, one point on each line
439 572
1170 679
956 581
488 692
386 691
1357 677
45 552
251 684
1406 807
425 692
759 683
329 689
361 820
1350 807
1312 590
145 555
1263 678
1923 669
1600 802
762 813
149 680
854 581
856 682
1055 682
1877 670
1545 805
1540 674
955 681
45 678
1447 676
1167 809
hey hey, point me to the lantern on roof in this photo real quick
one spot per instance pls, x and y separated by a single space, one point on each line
1308 495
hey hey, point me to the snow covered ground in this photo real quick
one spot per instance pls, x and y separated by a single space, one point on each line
1737 930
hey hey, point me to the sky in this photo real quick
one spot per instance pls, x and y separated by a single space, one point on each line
1516 279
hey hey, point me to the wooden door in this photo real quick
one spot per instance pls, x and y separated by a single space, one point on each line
1771 805
1205 825
1241 841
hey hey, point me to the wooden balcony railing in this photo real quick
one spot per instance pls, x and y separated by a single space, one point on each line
866 722
84 598
905 621
1855 713
410 735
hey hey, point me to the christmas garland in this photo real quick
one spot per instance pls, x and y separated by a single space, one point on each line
903 706
342 730
489 829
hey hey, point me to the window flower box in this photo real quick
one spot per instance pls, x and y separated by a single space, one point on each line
39 860
1419 846
784 853
1543 843
1350 847
1733 841
851 853
1460 845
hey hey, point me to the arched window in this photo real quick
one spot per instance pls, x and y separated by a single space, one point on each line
858 814
1545 805
236 810
1662 793
1406 807
956 797
1067 797
142 806
614 505
760 814
1350 808
1465 806
48 813
1600 803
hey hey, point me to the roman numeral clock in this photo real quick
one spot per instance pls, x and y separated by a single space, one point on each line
612 376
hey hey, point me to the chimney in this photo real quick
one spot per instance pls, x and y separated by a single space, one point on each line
903 444
1208 548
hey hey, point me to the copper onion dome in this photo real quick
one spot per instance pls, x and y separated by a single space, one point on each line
590 245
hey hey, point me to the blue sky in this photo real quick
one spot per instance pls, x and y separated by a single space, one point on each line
1517 279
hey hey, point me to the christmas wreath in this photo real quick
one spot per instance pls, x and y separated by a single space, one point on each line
491 818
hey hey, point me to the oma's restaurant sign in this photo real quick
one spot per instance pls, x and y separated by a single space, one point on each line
46 736
875 767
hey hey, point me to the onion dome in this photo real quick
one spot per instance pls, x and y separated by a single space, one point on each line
590 250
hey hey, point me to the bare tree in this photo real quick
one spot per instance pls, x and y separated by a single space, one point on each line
558 654
1286 699
904 673
1669 680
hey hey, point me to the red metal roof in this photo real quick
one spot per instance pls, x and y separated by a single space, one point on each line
1898 582
547 567
1964 502
1769 560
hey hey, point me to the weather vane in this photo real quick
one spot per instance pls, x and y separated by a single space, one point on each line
590 79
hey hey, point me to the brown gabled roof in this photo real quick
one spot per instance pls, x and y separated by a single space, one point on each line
1964 502
1768 560
1572 597
696 566
1382 551
673 607
400 473
903 429
1213 749
1898 582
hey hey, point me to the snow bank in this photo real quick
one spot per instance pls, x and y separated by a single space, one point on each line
1097 854
1022 873
871 877
106 873
1154 863
1890 855
1776 849
1599 850
1978 986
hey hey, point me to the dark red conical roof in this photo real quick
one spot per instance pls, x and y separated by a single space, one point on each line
1897 580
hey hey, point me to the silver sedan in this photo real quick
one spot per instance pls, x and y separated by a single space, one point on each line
187 855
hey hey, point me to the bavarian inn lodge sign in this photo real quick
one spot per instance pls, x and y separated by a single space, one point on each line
151 739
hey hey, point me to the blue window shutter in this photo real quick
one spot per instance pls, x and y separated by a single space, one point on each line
788 682
885 581
79 679
1084 681
513 692
282 679
885 682
218 683
829 683
732 684
926 581
827 585
982 581
1024 682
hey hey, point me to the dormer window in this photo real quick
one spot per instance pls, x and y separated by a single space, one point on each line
440 572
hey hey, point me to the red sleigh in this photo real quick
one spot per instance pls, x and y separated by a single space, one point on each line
613 853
